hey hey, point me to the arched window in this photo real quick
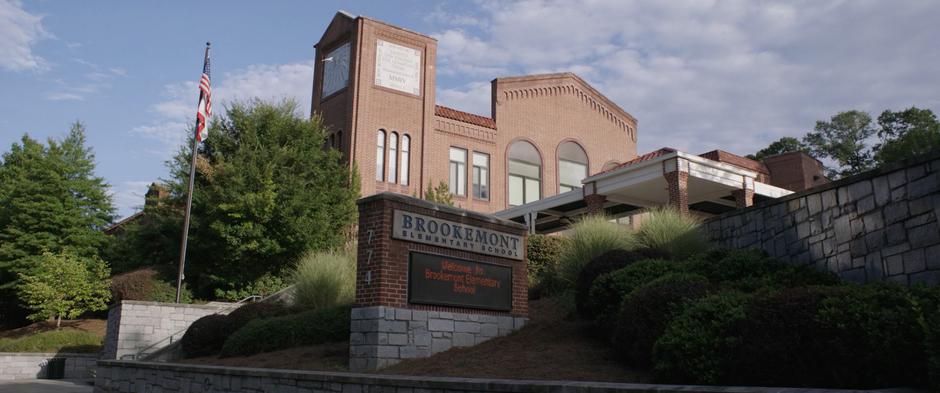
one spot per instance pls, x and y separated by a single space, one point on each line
380 156
393 157
572 166
405 156
525 174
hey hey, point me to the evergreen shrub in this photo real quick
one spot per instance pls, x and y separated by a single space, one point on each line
543 253
288 331
694 347
647 311
606 263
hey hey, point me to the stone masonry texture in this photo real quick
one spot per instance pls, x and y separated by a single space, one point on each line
879 226
17 366
133 377
136 325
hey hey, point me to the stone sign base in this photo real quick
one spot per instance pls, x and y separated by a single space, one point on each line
381 336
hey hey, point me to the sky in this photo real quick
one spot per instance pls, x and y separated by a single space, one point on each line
699 75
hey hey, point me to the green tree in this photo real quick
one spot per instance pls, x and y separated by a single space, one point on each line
266 192
844 140
906 134
440 194
65 286
783 145
50 200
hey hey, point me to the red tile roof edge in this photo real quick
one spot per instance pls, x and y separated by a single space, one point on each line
646 157
453 114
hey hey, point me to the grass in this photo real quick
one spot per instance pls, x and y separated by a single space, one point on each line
324 279
589 238
670 231
54 341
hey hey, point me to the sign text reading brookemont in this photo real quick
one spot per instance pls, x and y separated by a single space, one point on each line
445 233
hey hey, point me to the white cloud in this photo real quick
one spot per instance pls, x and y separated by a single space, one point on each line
173 117
701 75
64 96
20 31
128 196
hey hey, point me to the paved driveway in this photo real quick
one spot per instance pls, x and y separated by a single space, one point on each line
44 386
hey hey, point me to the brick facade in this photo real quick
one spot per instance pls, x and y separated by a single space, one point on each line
544 110
678 183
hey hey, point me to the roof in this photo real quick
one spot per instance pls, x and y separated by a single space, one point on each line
116 226
646 157
736 160
465 117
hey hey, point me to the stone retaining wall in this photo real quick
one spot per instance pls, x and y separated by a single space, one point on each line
16 366
127 377
881 225
136 325
381 336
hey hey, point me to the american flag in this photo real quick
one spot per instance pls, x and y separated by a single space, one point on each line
205 103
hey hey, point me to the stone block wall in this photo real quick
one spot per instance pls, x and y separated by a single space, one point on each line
878 226
17 366
381 336
136 325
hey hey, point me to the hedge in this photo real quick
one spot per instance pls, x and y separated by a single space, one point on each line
288 331
606 263
608 290
207 335
647 311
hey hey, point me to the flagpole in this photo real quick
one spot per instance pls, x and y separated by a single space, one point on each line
189 197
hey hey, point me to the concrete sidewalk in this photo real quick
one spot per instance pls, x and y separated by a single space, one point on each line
45 386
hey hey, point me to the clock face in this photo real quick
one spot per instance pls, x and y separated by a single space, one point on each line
336 70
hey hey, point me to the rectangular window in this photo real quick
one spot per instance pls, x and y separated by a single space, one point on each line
524 184
393 157
458 171
405 158
516 185
481 175
380 156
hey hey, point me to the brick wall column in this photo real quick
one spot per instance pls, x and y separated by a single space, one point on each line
678 183
595 203
743 197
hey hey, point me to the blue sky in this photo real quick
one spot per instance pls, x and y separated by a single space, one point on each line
698 75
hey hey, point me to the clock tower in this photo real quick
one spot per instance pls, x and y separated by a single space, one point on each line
373 88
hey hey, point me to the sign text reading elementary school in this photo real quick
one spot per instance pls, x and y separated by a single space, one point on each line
445 233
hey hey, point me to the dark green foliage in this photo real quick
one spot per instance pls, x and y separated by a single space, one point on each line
694 347
782 343
440 194
783 145
542 253
606 263
50 201
207 335
843 139
647 311
608 290
266 192
932 347
905 134
874 337
752 270
288 331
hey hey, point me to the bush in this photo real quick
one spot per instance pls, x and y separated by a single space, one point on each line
752 270
589 238
670 231
608 290
782 343
145 285
207 335
66 340
647 311
542 253
694 347
323 280
265 285
288 331
875 337
932 349
606 263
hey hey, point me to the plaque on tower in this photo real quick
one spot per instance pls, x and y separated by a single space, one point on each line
398 67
